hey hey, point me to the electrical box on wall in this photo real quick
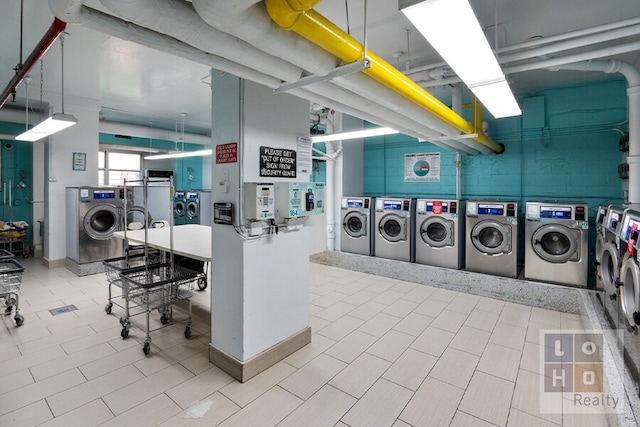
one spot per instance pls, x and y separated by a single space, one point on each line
259 201
299 199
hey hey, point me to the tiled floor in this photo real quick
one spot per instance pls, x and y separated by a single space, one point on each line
383 353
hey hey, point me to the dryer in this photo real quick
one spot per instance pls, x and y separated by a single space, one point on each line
557 242
93 214
394 218
179 208
192 199
439 233
357 222
491 238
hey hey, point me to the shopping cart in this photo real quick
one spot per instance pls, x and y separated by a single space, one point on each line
158 286
10 280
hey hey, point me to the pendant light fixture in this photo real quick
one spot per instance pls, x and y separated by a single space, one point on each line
57 121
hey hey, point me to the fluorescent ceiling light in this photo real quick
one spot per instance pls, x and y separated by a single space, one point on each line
451 27
498 99
53 124
180 154
353 135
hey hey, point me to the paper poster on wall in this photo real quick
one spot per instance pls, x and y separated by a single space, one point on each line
277 162
305 161
422 167
79 161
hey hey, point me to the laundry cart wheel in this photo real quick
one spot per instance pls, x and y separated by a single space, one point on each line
187 332
146 347
124 333
108 307
9 309
19 319
202 283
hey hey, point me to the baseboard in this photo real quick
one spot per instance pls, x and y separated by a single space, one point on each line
54 263
243 371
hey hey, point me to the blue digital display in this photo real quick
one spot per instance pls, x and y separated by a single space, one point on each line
555 212
192 195
445 207
355 203
392 205
493 209
104 194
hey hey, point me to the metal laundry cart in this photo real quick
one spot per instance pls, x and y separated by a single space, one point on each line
10 281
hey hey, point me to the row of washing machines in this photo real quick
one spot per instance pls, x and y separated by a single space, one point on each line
192 207
618 275
477 235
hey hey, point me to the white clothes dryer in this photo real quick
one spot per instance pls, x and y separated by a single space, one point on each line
491 243
439 233
394 228
357 223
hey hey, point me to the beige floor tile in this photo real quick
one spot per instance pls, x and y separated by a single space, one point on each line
508 336
15 380
199 387
379 325
49 340
490 304
528 398
157 361
150 412
499 361
433 341
546 317
463 303
434 404
91 390
221 408
8 352
360 297
198 363
522 419
445 295
36 391
388 297
413 324
419 294
431 307
410 369
401 308
325 408
336 311
462 419
471 340
405 287
267 410
317 323
130 396
531 354
391 345
329 299
92 414
481 319
380 406
112 362
399 423
488 398
515 315
341 328
351 346
318 345
30 415
243 393
312 376
71 361
449 321
368 310
357 377
535 332
455 367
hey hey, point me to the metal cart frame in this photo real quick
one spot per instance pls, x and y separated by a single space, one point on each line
10 281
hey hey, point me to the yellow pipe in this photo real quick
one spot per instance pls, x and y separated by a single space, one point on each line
298 16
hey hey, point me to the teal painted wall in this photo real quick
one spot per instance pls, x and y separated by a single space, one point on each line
564 147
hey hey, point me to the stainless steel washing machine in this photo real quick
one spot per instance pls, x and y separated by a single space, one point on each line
394 221
192 199
556 242
357 222
93 214
439 233
601 217
491 238
179 208
609 265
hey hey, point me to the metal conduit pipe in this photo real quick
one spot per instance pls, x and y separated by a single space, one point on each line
49 38
633 98
297 16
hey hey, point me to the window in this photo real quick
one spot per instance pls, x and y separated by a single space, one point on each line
114 167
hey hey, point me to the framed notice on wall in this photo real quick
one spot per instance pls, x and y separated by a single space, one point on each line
423 167
79 161
277 162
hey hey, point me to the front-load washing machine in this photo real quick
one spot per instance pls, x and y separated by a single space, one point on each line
179 208
192 198
601 217
439 233
609 265
357 222
556 242
93 215
491 242
393 228
630 288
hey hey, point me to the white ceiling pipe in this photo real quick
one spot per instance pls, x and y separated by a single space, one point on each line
178 19
633 94
148 132
542 41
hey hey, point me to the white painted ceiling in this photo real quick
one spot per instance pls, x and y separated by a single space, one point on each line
138 85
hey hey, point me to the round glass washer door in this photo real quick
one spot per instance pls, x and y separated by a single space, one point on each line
101 221
491 237
556 243
608 266
192 209
179 208
629 297
355 224
437 232
393 228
